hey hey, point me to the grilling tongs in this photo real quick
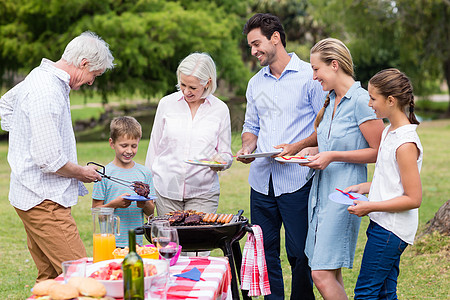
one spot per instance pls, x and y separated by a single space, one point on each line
126 183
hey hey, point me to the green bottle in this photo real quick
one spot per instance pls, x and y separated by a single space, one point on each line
133 271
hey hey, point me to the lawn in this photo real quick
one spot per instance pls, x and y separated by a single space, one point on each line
424 266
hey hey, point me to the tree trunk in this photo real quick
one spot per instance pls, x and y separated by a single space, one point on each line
447 78
440 221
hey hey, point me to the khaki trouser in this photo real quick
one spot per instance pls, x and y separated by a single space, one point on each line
52 237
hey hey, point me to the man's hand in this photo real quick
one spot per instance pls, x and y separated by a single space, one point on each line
244 151
288 149
89 174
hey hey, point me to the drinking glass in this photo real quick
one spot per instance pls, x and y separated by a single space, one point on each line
156 225
74 268
167 242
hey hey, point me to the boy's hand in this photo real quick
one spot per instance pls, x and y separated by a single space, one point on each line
120 202
147 206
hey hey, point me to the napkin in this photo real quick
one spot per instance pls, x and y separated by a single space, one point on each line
193 274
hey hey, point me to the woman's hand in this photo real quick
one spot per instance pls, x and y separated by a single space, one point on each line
218 158
321 160
308 151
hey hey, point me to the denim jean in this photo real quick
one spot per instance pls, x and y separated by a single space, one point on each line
380 264
291 210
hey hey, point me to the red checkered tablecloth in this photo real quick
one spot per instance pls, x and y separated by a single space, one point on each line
214 283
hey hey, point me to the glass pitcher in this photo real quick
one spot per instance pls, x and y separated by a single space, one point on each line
105 225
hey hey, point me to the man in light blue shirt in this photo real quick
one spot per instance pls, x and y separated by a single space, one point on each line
282 104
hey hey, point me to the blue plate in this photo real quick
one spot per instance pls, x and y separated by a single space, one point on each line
139 198
340 198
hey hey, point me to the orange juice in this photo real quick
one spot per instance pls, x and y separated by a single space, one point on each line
104 245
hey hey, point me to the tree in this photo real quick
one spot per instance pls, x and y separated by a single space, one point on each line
425 35
411 35
148 39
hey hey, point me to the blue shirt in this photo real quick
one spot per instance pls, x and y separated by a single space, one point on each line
107 190
330 225
281 110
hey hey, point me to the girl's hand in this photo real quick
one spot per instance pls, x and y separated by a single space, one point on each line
360 208
362 188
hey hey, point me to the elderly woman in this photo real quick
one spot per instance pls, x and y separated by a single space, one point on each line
190 124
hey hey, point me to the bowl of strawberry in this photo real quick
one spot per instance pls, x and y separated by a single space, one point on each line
109 273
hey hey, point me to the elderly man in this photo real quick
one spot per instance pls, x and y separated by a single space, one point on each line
45 177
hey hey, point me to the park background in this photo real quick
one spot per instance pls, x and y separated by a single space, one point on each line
149 38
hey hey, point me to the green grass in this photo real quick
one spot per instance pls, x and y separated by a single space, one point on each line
424 266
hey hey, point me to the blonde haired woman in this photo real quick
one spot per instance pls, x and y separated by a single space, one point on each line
348 136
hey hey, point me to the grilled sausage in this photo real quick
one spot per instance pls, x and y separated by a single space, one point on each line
214 218
222 217
228 218
206 217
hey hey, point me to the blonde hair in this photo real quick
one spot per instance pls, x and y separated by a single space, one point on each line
332 49
392 82
125 126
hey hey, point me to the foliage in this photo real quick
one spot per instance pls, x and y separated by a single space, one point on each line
411 35
148 39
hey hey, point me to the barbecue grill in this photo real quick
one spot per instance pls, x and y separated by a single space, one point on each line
205 237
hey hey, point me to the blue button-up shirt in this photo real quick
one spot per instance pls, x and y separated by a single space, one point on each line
281 110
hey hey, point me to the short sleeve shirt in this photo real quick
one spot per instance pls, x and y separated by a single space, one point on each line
107 190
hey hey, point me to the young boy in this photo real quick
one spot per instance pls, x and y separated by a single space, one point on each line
125 133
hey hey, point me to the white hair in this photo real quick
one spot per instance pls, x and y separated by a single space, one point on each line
91 47
202 66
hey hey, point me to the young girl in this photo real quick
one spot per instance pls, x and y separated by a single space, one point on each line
395 192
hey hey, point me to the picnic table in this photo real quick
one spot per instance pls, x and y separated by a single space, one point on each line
214 283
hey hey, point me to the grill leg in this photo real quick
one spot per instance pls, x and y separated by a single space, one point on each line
237 253
234 286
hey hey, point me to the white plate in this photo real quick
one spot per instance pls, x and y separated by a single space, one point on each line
292 159
261 154
139 198
338 197
205 163
114 288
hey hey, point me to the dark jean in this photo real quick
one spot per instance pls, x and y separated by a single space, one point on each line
291 210
380 264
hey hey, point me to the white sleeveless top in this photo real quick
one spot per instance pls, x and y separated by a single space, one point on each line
386 183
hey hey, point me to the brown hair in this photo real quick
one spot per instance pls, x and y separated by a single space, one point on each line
125 126
332 49
268 24
392 82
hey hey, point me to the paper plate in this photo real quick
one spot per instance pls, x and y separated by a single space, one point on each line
292 159
338 197
261 154
139 198
205 163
